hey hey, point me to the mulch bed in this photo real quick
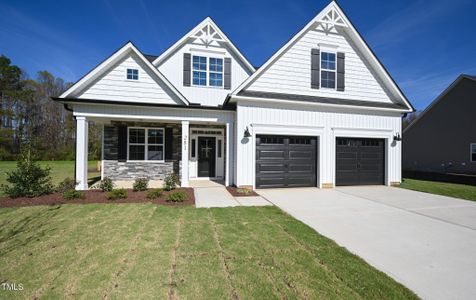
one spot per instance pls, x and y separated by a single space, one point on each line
234 193
96 196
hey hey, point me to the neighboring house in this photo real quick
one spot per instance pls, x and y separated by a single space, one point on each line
443 138
322 111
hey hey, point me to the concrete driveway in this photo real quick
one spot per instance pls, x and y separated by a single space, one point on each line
426 242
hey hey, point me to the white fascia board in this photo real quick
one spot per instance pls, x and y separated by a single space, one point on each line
357 107
206 21
281 51
113 59
92 74
355 35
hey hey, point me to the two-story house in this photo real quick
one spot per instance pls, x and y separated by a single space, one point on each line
321 111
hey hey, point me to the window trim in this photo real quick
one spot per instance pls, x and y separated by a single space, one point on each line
127 74
207 71
321 69
471 145
146 143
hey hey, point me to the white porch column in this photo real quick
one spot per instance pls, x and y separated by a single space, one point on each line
227 155
82 153
184 177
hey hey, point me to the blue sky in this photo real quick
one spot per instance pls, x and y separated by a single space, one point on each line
425 45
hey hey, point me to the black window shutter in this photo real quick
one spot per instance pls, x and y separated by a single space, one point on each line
122 143
315 68
227 82
169 143
186 69
340 71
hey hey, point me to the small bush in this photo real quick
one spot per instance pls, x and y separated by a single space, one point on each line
106 185
177 196
66 185
171 182
154 193
116 194
140 184
243 191
29 179
73 194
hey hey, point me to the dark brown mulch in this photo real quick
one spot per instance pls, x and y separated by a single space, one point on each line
96 196
234 193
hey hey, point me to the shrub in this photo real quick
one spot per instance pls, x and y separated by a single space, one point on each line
154 193
66 185
29 179
177 196
73 194
243 191
171 182
106 185
116 194
140 184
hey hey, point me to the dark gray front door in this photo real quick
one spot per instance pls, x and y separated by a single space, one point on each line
206 156
285 161
360 161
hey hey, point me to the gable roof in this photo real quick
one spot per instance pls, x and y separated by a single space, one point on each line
205 30
115 57
440 97
330 17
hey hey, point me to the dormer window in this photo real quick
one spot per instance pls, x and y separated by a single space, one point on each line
207 71
328 70
216 72
132 74
199 70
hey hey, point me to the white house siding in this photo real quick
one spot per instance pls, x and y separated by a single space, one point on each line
291 72
113 85
301 119
172 68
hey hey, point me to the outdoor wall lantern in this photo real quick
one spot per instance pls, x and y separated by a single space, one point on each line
247 133
397 138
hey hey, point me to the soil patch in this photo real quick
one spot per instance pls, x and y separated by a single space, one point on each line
96 196
233 191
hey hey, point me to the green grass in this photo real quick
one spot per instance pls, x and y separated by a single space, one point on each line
59 170
139 251
462 191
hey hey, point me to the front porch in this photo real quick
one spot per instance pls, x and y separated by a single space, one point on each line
191 148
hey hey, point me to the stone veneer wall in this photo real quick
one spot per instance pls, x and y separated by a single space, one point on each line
117 170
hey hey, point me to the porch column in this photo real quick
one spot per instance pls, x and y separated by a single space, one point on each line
184 178
82 153
227 155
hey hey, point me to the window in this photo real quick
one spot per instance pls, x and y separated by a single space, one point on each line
146 144
132 74
199 70
300 141
216 72
328 70
473 152
211 66
193 148
271 140
219 148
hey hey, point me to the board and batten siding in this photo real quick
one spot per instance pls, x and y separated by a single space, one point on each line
291 72
172 68
113 85
290 119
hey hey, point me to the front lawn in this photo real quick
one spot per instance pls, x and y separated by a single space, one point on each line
149 251
59 170
462 191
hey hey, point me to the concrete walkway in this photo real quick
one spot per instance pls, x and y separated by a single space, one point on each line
218 196
424 241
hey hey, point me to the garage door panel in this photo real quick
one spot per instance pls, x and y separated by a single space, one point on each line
284 161
360 161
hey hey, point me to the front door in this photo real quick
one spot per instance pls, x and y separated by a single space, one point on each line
206 156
